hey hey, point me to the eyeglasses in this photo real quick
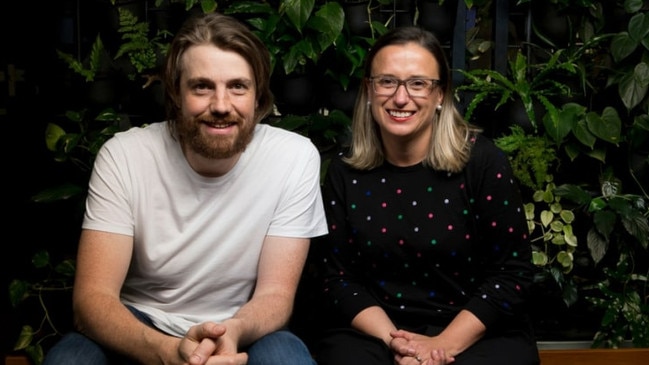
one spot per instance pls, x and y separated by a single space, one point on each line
415 87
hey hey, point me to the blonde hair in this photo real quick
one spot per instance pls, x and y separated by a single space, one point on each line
450 145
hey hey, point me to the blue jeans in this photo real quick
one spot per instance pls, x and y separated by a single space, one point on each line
277 348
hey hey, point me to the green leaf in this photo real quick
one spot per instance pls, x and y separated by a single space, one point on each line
583 135
556 226
607 127
546 217
570 293
597 204
53 133
632 6
36 353
622 46
565 259
66 268
642 122
24 338
633 86
56 193
41 259
529 210
604 221
292 122
556 208
18 291
597 245
638 26
539 258
567 216
569 236
599 154
208 6
567 117
573 193
328 22
572 150
297 11
636 224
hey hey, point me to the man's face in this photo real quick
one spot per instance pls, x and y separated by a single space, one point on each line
217 92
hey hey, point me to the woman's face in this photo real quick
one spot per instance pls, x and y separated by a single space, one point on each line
404 115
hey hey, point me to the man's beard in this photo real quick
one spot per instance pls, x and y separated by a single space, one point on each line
214 146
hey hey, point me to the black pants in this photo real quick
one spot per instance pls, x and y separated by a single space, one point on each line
349 347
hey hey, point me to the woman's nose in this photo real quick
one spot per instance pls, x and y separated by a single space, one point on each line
401 95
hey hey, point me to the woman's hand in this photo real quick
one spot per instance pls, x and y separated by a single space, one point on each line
436 357
415 349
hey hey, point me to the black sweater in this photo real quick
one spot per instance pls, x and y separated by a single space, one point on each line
424 244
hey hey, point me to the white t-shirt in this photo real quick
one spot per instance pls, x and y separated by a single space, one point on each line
197 240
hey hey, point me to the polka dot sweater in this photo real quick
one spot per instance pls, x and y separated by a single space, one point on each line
424 244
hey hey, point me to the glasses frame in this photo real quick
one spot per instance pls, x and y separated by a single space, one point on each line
434 84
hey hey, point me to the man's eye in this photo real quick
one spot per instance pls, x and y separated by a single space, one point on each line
238 88
201 87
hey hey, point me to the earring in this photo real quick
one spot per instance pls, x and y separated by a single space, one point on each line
369 103
439 107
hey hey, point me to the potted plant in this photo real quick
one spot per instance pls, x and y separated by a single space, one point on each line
526 85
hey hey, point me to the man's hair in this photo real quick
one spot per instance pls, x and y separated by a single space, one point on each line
449 148
226 33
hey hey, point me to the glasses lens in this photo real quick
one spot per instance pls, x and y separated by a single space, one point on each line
418 87
387 86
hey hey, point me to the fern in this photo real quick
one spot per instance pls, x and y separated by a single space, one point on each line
142 51
531 157
93 64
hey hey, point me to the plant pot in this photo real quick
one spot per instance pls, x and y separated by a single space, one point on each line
357 18
342 99
550 23
437 18
296 94
399 12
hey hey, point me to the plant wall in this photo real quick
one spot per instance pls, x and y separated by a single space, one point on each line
580 153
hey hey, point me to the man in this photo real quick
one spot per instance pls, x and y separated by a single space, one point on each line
197 229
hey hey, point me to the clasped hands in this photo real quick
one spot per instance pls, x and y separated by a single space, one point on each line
209 344
415 349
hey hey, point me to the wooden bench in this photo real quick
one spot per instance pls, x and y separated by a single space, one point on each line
622 356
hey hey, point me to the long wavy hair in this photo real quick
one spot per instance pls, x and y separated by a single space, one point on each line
449 147
226 33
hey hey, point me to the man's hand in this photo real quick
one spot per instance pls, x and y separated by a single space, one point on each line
208 344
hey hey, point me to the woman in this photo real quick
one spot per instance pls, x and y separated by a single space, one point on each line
427 260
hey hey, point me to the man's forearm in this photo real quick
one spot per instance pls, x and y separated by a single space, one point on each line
112 325
260 316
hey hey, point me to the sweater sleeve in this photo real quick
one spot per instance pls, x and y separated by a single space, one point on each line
505 249
344 293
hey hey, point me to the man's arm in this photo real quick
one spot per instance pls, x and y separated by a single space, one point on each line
102 263
280 268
